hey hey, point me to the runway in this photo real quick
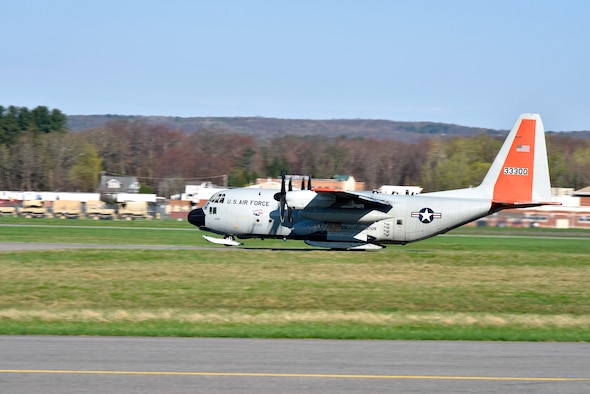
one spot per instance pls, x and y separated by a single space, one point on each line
29 246
214 365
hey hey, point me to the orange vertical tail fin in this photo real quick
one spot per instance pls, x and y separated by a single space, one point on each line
515 180
519 176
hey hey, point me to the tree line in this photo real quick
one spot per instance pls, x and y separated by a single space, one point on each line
16 121
37 153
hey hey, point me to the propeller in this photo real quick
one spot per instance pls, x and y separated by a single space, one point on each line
281 197
289 212
308 183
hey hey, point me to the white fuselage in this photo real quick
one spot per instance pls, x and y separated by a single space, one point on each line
255 213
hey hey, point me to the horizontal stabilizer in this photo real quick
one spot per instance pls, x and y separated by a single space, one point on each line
499 205
521 204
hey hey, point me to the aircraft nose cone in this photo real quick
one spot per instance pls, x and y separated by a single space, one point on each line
197 217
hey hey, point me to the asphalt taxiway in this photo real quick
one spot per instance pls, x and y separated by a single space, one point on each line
24 246
54 364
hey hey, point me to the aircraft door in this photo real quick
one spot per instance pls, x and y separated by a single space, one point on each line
399 224
383 230
388 229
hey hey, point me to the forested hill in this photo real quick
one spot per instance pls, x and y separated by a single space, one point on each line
37 152
267 128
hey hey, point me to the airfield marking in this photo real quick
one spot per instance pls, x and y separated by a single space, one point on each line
293 375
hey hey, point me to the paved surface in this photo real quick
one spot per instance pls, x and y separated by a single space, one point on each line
23 246
52 365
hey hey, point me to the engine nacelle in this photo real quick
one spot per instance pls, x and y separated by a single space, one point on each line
307 227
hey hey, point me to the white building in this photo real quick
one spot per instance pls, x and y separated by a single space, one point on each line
391 189
199 192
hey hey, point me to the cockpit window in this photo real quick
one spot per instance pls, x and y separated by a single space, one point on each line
218 198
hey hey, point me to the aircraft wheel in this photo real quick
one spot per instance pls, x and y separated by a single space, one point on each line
229 238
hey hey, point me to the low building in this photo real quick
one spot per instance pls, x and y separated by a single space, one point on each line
198 194
574 212
405 190
339 183
584 195
542 217
111 185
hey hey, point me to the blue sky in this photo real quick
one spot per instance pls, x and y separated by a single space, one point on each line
474 63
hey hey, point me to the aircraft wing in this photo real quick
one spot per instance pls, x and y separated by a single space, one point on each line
375 199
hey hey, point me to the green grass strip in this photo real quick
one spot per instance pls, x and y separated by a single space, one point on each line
475 287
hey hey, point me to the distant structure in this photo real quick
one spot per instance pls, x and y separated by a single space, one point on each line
111 185
198 193
194 196
339 182
407 190
574 213
584 195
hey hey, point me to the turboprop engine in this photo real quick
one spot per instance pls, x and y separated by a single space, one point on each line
300 199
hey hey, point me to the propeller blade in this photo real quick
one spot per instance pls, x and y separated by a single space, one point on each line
282 198
290 184
309 182
302 183
280 195
282 210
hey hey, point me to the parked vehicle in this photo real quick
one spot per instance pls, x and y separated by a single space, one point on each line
134 210
8 209
98 210
67 209
33 209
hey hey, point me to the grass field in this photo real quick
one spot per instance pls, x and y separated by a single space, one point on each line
496 285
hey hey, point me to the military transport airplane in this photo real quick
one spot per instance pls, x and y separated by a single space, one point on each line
351 220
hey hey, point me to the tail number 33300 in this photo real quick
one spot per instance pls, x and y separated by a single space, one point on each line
516 171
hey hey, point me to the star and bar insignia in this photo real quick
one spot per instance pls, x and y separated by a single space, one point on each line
426 215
